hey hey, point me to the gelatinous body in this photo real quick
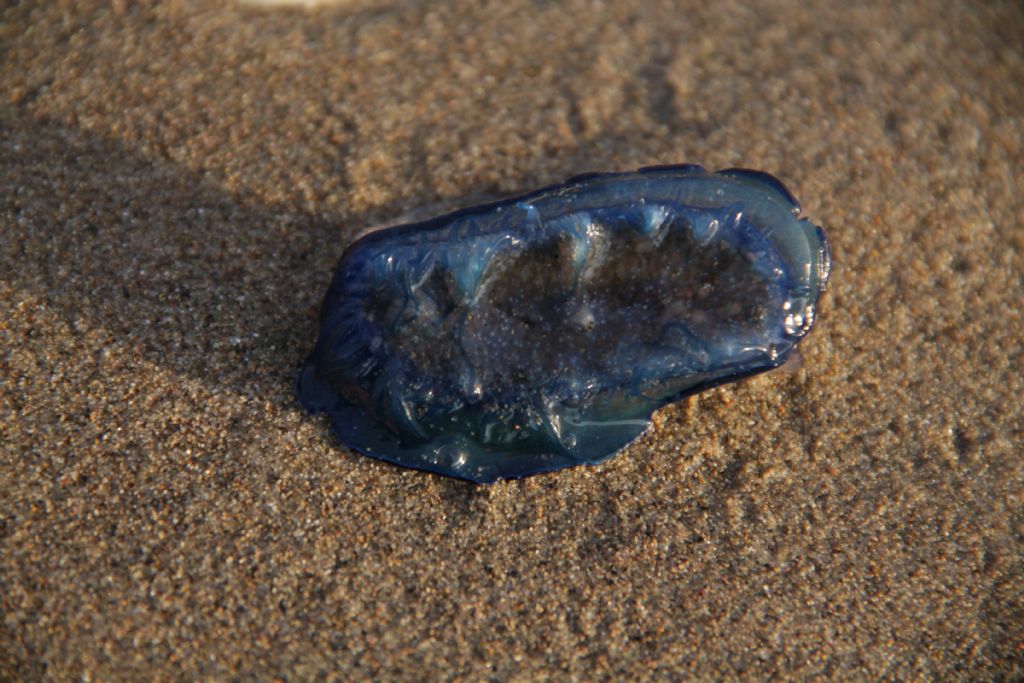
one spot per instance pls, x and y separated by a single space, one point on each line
543 331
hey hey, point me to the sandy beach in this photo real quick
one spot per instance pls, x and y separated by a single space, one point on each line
177 182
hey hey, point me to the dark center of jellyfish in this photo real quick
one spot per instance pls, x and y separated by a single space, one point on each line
560 318
574 317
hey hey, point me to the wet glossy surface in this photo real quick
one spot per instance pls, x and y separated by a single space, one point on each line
543 331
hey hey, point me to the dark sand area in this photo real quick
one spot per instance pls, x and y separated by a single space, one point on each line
176 183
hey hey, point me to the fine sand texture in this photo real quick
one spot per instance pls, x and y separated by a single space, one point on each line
177 181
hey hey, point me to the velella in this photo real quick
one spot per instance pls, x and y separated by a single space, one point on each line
543 331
